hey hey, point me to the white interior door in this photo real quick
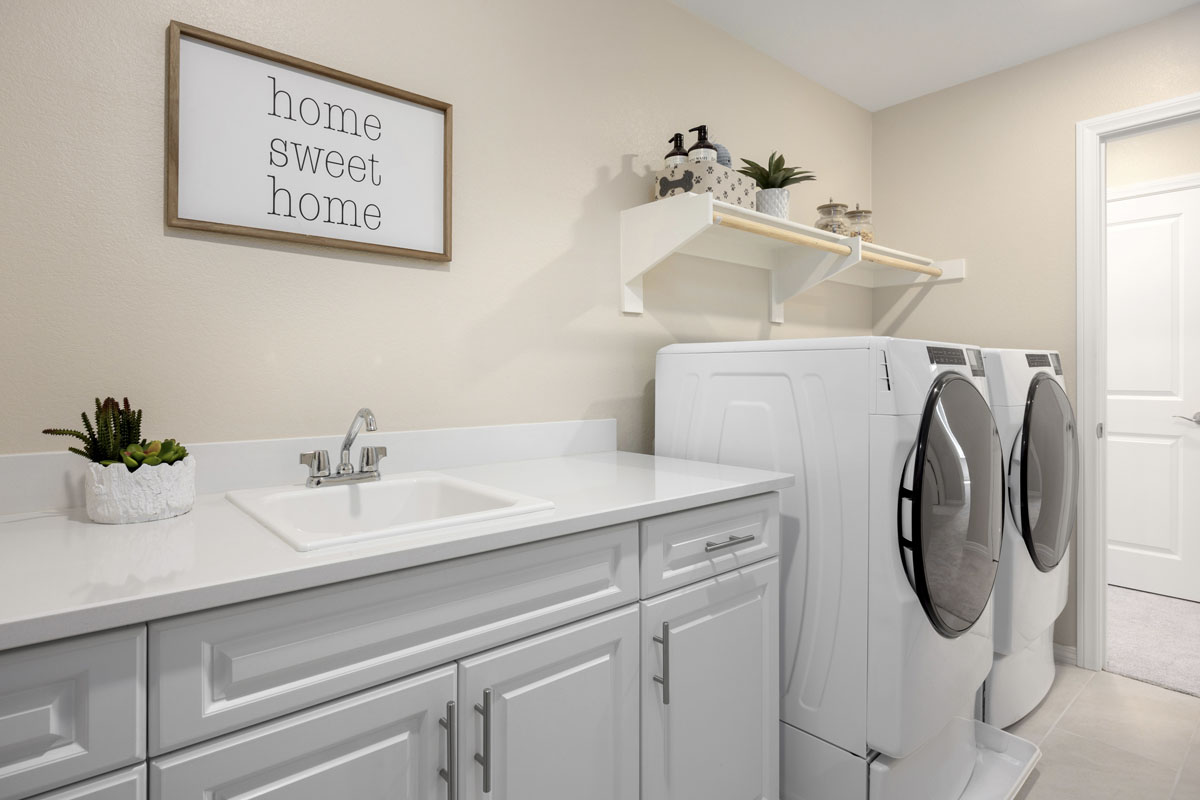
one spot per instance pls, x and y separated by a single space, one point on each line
1153 491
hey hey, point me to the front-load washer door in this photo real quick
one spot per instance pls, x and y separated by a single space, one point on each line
1043 472
951 509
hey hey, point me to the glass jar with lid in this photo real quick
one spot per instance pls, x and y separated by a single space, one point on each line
860 223
833 218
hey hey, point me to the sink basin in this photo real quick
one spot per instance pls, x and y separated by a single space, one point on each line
309 519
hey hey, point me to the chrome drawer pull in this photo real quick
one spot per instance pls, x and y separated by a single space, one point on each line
485 760
450 773
664 680
732 541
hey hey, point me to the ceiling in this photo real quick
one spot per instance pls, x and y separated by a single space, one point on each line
877 53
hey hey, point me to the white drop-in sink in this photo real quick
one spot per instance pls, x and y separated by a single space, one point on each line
309 519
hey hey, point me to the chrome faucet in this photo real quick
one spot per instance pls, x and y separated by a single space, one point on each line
317 461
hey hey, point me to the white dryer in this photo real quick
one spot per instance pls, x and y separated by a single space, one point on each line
891 541
1038 430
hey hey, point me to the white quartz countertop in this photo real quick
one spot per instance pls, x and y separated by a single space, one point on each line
62 575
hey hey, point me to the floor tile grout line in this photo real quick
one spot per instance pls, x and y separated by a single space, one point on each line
1193 745
1067 707
1191 740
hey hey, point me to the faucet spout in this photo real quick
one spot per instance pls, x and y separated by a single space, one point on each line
363 415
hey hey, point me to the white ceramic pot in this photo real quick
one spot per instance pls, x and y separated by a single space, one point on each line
116 495
772 201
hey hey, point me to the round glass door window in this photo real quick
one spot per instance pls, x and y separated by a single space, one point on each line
1043 473
951 512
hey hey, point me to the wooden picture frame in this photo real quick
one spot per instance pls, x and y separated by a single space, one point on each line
410 104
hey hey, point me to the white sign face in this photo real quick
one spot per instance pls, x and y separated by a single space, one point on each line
266 147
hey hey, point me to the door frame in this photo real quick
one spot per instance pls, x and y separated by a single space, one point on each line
1091 224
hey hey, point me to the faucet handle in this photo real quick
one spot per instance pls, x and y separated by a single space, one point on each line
317 462
368 458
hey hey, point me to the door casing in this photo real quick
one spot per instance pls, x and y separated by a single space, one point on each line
1091 224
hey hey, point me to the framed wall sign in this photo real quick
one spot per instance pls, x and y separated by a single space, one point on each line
263 144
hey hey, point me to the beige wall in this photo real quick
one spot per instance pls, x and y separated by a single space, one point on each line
1164 153
556 107
986 171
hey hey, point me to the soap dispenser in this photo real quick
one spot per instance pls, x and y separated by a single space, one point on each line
703 149
677 155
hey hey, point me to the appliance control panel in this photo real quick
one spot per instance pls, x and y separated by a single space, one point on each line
1037 360
975 356
947 355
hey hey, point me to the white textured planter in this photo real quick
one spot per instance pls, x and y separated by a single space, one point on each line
773 201
116 495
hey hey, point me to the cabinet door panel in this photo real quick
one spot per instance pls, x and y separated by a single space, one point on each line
718 736
127 784
564 714
384 744
71 709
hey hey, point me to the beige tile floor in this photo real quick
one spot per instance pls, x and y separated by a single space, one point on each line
1107 737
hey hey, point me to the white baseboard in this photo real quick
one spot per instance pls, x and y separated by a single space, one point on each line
1065 654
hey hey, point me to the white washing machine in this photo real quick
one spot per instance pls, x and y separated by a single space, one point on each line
891 541
1038 430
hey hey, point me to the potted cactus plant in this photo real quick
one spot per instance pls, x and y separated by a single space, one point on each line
130 479
773 180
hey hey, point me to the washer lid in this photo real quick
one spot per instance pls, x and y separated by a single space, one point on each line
951 507
1043 472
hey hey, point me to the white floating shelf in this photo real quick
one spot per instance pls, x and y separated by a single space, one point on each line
798 256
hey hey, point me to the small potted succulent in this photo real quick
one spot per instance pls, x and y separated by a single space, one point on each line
131 479
773 180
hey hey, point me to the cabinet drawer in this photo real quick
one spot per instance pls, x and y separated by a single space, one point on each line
224 669
128 784
70 710
384 744
682 548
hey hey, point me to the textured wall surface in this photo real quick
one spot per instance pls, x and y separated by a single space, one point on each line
561 109
986 171
1164 153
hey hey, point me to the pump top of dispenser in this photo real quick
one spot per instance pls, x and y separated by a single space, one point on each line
703 149
677 155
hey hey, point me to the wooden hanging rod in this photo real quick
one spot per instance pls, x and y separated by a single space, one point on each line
784 235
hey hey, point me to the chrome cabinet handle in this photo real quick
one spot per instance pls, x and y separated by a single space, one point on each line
450 773
485 760
1194 418
664 680
732 541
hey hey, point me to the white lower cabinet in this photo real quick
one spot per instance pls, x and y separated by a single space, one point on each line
710 689
383 744
305 696
554 716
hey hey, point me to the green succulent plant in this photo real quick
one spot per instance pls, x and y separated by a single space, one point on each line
116 438
153 453
775 175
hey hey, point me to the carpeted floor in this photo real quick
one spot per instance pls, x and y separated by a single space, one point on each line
1154 639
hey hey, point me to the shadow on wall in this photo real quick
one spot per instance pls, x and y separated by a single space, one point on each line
304 249
538 312
893 307
626 408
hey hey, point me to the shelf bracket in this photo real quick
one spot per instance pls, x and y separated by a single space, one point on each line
652 232
803 269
